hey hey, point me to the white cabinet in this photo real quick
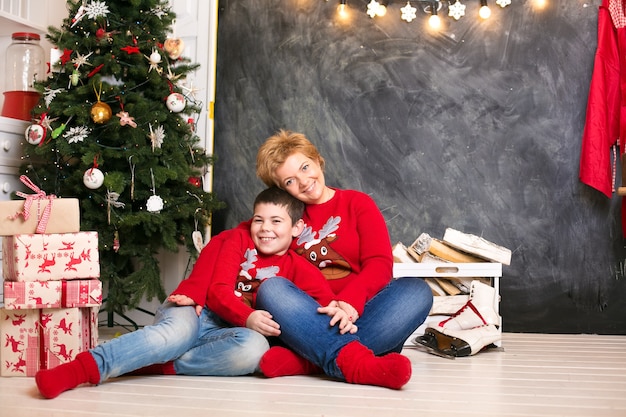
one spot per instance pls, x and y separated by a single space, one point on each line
19 16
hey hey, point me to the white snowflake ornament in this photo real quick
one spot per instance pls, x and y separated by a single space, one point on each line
408 12
96 9
372 8
456 10
77 134
503 3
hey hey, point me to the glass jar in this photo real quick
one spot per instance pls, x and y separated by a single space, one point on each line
25 63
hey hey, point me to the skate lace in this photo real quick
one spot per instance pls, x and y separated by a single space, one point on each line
461 310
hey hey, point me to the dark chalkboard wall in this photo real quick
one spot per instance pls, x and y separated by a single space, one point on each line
477 128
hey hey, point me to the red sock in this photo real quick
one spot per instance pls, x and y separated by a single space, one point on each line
154 369
280 361
360 366
52 382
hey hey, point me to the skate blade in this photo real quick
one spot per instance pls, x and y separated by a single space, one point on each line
428 343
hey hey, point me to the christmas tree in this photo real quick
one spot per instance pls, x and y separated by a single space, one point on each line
115 128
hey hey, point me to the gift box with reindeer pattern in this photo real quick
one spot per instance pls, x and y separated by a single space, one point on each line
55 256
21 295
44 338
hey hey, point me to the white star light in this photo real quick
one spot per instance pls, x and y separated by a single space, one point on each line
76 134
96 9
503 3
408 12
372 8
456 10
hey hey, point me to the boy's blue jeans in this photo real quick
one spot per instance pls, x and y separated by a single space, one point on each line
387 320
204 345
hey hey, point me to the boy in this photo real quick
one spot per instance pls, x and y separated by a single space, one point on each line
208 325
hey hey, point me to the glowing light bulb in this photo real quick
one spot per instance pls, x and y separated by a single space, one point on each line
434 21
484 12
342 9
382 10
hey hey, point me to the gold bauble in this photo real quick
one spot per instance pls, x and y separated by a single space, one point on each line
101 112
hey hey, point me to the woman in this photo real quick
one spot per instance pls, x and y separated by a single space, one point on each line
347 239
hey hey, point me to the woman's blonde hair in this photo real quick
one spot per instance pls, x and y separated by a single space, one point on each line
275 151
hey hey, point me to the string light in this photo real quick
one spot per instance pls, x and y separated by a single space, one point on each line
456 9
342 9
484 12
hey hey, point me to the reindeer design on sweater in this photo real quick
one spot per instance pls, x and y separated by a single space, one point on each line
319 252
250 278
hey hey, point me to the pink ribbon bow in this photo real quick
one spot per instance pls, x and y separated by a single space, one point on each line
30 198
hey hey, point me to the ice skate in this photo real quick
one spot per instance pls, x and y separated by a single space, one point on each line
480 309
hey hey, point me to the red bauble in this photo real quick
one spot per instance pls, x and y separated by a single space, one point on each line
195 181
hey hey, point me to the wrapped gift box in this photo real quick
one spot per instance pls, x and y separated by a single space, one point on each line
44 338
44 257
52 294
64 216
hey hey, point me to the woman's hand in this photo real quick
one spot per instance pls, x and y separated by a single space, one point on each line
261 321
183 300
353 315
338 317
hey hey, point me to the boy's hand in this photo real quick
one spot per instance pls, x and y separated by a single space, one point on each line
183 300
261 321
339 317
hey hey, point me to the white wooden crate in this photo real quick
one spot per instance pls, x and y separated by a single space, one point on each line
492 270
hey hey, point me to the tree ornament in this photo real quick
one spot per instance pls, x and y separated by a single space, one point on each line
155 59
176 102
196 235
35 134
100 112
154 203
116 241
174 47
195 181
93 178
57 132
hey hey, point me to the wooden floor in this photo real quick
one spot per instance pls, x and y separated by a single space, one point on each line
532 375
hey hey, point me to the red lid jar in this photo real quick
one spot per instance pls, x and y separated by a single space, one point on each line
25 64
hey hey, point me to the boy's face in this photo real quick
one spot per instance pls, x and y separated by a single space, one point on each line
272 229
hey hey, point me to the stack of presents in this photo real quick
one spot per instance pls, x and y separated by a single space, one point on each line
52 291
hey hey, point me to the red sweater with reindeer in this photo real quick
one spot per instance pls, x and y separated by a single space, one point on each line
347 239
229 270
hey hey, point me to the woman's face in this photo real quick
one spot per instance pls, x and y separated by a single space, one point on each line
303 178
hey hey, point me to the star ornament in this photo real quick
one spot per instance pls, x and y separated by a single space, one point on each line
81 60
67 53
130 50
156 136
126 119
456 10
408 12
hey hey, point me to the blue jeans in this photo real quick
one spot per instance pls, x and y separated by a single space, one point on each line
387 320
204 345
